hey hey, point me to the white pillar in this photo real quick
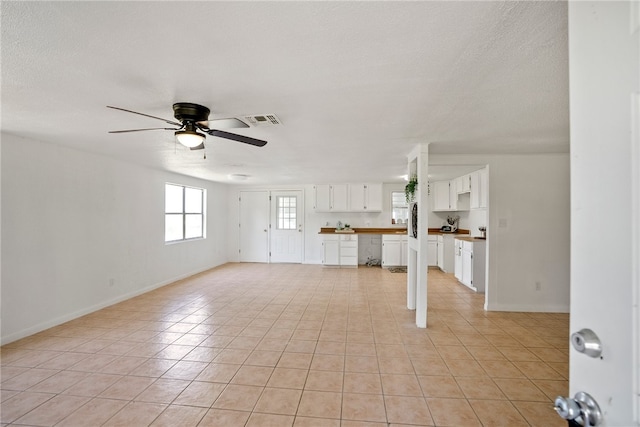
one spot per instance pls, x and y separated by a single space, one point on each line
417 262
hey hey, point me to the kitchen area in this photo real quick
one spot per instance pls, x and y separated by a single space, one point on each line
370 224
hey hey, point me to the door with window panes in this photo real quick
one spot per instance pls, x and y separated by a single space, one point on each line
286 226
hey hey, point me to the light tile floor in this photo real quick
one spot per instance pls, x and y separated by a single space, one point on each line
290 345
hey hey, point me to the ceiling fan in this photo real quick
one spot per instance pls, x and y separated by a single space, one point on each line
192 120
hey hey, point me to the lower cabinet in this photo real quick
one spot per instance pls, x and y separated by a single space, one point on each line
432 251
457 259
340 250
470 260
441 252
394 250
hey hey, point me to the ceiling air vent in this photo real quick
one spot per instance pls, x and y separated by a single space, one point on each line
263 120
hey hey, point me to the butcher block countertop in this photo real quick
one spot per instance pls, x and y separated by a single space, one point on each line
386 230
366 230
471 239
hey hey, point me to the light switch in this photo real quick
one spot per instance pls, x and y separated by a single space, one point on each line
502 222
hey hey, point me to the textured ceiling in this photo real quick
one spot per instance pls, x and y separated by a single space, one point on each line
355 84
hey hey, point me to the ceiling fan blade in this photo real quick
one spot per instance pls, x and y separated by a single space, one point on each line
198 147
235 137
139 130
147 115
230 123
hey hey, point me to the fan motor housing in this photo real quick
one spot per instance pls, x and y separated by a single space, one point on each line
186 111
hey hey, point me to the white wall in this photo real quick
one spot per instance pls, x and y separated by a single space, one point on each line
313 220
73 221
528 230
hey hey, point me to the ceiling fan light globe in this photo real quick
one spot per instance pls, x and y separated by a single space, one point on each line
189 139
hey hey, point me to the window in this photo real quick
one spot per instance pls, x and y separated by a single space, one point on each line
183 213
399 208
286 212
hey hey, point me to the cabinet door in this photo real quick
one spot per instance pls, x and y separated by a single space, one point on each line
357 197
466 183
404 251
373 200
441 253
339 198
483 187
457 259
391 252
322 198
467 266
441 196
331 251
432 253
475 190
453 196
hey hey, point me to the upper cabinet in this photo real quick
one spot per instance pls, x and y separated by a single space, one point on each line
445 196
331 198
479 189
463 184
441 196
365 197
462 193
348 198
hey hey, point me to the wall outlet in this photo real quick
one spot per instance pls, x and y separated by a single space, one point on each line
112 282
538 286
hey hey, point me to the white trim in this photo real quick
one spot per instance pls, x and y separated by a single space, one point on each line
635 244
529 308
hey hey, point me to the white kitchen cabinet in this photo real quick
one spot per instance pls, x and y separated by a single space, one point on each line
348 197
467 264
394 250
331 198
470 260
348 250
365 197
479 189
463 184
445 197
441 196
340 250
331 249
446 252
457 259
432 251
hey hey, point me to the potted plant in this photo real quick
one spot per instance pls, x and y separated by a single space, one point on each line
410 188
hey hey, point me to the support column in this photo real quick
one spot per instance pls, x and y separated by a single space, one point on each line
417 263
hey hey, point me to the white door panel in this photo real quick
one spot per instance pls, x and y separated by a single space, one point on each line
254 226
604 74
286 226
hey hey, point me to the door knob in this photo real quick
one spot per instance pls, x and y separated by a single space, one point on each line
582 410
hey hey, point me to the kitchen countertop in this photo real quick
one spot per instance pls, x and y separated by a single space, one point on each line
471 239
391 230
366 230
437 231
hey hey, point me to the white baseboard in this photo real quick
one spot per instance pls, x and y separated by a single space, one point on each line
528 308
95 307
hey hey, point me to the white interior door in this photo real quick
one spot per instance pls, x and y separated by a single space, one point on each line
604 75
254 226
286 226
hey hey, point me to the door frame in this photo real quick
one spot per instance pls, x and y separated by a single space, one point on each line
272 223
271 220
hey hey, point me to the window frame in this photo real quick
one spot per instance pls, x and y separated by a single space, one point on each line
183 214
